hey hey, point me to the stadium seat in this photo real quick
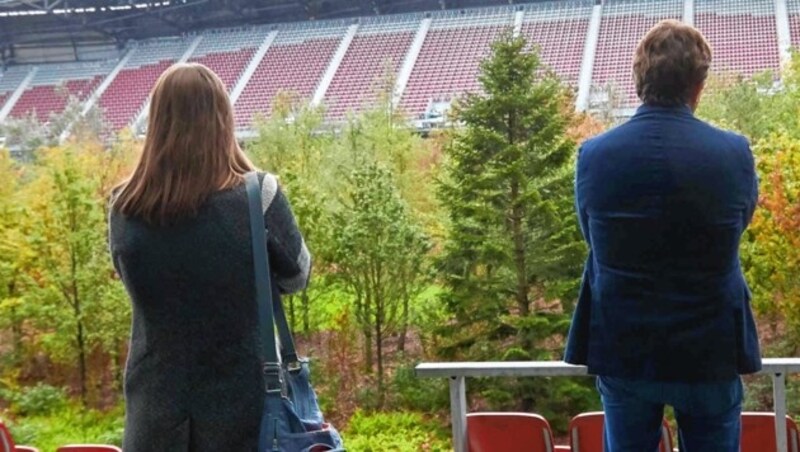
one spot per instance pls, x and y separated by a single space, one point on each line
586 433
501 432
7 442
88 448
758 433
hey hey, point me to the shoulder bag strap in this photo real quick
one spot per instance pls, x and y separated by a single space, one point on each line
266 320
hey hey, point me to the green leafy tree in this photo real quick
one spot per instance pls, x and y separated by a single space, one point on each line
378 254
291 144
754 107
14 255
78 303
512 255
28 134
382 134
770 250
507 189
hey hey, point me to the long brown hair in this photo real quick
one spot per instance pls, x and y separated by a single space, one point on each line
190 150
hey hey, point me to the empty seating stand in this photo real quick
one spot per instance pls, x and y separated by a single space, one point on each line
758 433
586 433
126 95
793 9
448 63
558 30
227 53
10 79
742 35
622 25
503 432
295 62
53 84
373 57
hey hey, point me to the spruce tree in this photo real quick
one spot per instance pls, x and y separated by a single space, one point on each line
506 185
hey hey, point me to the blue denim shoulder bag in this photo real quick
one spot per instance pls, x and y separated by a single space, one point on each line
292 420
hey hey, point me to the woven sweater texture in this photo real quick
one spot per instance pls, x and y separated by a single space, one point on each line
193 377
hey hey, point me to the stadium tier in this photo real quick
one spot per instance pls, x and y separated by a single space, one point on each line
294 62
374 56
52 85
228 52
10 80
448 62
793 11
559 32
742 34
622 26
126 95
431 58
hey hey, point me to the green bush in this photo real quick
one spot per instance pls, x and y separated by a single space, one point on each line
420 394
72 424
394 431
38 400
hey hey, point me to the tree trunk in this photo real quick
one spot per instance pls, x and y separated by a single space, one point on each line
81 357
401 343
16 327
379 346
368 350
519 251
16 332
292 320
306 308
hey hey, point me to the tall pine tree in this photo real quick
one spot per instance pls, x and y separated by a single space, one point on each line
512 240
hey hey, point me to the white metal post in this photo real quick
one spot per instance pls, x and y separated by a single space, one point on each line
688 12
587 65
458 413
779 402
783 30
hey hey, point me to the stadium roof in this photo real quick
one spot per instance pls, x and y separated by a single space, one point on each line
26 24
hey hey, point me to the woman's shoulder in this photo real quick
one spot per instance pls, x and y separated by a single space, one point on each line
269 188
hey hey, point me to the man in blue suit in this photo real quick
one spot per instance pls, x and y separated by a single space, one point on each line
664 316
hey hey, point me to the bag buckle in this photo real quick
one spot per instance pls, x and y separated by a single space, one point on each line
273 378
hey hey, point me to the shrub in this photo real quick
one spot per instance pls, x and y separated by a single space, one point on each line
419 394
41 399
72 424
394 431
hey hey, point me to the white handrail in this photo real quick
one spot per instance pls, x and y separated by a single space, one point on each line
457 372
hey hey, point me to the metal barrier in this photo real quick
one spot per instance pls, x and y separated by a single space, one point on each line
456 373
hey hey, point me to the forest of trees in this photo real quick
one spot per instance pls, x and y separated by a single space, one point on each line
459 246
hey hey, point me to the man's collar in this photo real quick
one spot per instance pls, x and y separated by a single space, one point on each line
682 109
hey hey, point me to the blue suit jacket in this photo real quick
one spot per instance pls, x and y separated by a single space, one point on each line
663 200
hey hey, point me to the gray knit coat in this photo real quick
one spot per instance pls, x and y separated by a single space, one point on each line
193 380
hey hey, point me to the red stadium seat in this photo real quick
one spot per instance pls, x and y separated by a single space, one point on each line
7 442
586 433
758 433
502 432
88 448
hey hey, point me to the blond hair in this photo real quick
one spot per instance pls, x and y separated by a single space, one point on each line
190 149
671 61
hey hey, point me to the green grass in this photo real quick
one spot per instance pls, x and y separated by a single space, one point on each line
396 432
69 425
383 431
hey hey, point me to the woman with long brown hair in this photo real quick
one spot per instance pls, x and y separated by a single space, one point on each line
180 241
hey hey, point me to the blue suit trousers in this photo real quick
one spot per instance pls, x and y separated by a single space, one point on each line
708 414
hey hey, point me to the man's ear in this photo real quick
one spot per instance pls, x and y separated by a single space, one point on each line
694 101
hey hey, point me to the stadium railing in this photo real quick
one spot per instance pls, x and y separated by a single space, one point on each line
457 372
